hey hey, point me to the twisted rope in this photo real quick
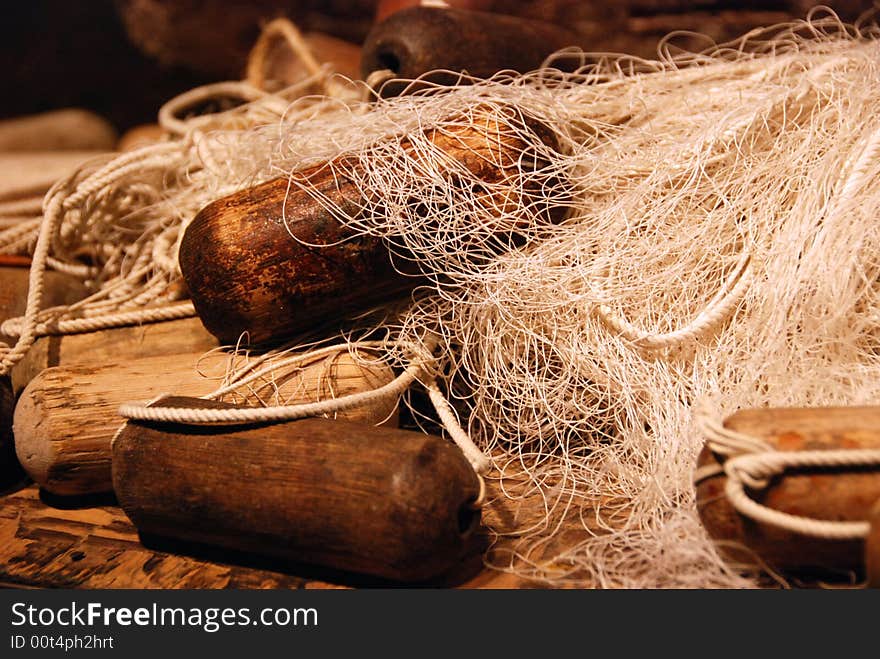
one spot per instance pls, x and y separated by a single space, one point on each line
394 389
194 416
479 460
751 462
67 194
284 28
51 219
718 309
15 326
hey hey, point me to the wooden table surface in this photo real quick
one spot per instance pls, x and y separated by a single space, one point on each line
88 542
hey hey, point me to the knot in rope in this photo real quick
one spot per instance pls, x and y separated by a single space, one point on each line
750 462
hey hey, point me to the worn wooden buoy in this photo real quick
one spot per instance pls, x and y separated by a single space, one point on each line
70 129
273 260
59 289
445 41
246 273
67 416
837 494
170 337
379 501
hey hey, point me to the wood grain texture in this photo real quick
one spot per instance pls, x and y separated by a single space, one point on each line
172 337
95 546
58 289
383 502
418 40
70 129
272 260
67 416
89 542
246 273
830 494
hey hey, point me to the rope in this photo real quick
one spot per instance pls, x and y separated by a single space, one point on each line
280 27
193 416
719 308
376 79
28 336
170 112
70 194
394 389
751 462
754 469
14 326
479 460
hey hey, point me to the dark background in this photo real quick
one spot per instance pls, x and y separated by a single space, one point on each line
124 58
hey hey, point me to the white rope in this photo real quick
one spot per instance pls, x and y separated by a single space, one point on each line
14 326
754 469
35 284
719 308
479 460
187 415
280 27
169 113
751 462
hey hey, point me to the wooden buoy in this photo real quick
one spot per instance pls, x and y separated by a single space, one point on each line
70 129
379 501
171 337
67 416
58 289
140 136
30 173
417 40
838 494
273 260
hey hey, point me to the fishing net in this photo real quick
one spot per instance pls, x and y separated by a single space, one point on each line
695 232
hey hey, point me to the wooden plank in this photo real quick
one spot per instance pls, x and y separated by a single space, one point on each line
69 129
97 547
89 543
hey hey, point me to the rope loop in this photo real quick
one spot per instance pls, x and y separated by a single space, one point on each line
750 462
417 369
